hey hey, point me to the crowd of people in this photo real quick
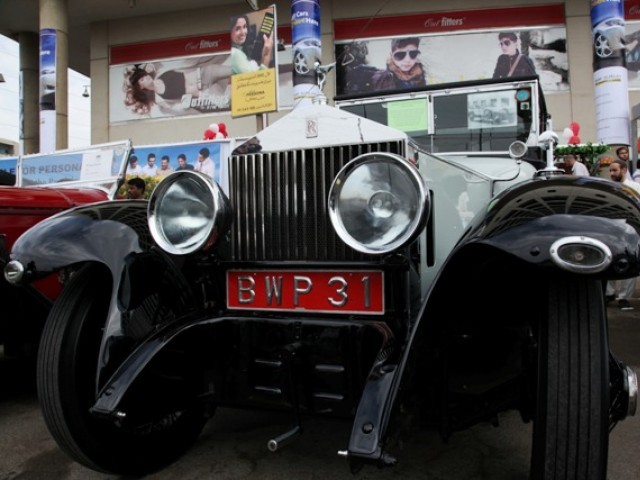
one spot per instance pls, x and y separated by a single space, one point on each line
622 290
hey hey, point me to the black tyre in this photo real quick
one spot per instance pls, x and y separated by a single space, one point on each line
570 431
66 381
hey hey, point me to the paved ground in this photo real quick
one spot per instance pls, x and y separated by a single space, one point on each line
233 445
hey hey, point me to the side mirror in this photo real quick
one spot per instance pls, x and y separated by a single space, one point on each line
548 139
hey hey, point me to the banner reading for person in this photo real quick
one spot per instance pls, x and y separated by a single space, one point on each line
254 77
47 90
610 76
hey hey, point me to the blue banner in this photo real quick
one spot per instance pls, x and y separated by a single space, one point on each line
601 10
208 156
47 90
306 49
9 165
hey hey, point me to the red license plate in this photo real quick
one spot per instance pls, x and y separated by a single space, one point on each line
344 291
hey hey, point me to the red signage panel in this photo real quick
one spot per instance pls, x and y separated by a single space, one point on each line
178 47
175 47
440 22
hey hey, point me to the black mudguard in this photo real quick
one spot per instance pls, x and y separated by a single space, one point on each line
527 219
116 235
104 232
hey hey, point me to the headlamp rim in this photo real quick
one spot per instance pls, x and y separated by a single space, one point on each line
413 174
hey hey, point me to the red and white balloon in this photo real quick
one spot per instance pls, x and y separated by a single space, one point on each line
216 131
571 133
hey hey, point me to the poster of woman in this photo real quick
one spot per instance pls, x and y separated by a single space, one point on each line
254 81
176 87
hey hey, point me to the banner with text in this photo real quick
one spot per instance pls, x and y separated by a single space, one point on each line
610 76
254 77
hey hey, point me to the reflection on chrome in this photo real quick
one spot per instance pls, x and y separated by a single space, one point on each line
185 211
377 203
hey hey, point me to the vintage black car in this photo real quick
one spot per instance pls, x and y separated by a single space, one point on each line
345 272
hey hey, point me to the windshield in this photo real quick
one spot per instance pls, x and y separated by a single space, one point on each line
480 119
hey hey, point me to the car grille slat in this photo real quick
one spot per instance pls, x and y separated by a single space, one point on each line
280 203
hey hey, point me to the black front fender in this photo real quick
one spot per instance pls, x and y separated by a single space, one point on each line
105 232
528 219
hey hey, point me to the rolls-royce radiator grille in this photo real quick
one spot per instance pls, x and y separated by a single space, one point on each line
280 203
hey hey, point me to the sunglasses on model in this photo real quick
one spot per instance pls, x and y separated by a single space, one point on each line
506 43
399 56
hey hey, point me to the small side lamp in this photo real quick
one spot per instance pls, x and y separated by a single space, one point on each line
85 94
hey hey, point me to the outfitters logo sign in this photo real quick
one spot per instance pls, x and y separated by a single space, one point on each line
202 45
444 22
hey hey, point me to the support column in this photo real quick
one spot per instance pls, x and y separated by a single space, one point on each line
53 17
29 93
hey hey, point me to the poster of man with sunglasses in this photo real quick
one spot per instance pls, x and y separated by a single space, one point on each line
365 65
404 69
512 62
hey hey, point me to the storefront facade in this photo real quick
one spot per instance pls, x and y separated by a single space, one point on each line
458 41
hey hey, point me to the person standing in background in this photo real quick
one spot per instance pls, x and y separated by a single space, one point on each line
622 289
636 173
135 188
623 154
574 167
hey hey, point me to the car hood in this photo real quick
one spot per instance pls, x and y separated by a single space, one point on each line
495 167
48 198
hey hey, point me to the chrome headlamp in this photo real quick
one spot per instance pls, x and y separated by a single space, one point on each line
188 212
378 203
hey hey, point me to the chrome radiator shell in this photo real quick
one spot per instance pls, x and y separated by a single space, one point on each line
280 203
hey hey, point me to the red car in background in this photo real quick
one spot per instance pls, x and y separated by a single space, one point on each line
46 185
